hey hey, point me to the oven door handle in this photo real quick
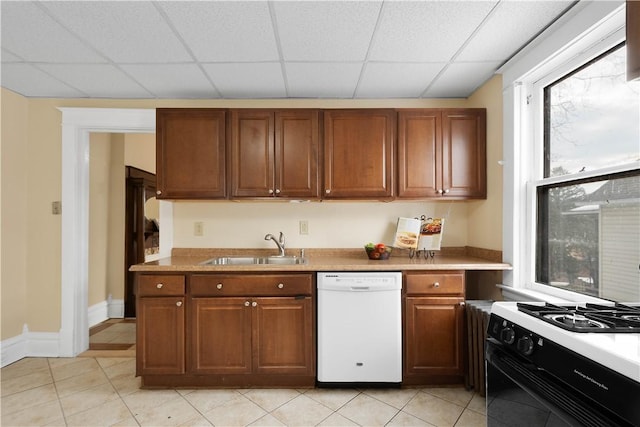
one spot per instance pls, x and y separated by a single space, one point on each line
563 400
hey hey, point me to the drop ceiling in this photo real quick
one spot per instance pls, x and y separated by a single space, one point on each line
263 49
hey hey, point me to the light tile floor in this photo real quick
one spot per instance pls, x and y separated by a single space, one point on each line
103 391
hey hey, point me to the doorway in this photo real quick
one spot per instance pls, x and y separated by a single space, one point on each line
77 124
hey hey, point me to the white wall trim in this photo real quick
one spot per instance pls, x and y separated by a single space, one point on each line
98 313
115 308
77 124
29 344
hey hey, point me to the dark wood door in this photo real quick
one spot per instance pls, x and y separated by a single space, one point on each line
282 336
160 341
419 153
433 336
296 154
139 187
359 154
220 335
464 161
252 153
190 153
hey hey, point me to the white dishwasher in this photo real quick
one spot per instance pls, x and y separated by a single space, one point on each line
359 328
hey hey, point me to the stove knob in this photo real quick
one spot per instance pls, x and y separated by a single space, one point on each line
525 345
508 335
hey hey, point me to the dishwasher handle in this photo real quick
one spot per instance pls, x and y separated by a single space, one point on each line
360 288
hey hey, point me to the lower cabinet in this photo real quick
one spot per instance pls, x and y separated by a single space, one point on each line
433 329
226 330
160 325
246 335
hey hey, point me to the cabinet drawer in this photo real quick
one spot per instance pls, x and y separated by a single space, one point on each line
435 283
250 284
160 285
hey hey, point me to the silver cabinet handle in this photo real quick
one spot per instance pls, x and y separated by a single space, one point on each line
438 191
159 285
270 191
327 191
446 191
461 304
277 191
436 285
254 304
246 303
159 192
219 286
179 303
280 285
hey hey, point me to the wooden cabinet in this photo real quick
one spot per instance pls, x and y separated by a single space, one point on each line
274 153
190 153
160 329
250 329
359 154
433 329
442 153
633 40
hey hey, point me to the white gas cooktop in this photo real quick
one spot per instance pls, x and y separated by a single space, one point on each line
619 352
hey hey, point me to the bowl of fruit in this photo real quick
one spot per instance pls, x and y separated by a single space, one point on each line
378 252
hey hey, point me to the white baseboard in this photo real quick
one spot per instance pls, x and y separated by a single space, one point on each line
29 344
109 309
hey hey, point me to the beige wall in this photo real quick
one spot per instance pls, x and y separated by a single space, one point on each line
140 151
40 168
13 201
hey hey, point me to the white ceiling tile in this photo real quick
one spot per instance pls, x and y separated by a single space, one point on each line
129 31
9 57
426 31
461 80
322 80
29 81
510 27
396 80
172 80
326 31
225 31
245 80
29 32
99 80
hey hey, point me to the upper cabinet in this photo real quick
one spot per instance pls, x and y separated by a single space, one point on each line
442 153
359 154
190 153
274 153
633 40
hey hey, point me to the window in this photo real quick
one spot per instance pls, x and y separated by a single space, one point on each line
588 198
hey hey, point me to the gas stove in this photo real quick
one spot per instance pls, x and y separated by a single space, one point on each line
588 317
592 350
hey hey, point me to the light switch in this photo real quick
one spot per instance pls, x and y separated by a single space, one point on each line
304 226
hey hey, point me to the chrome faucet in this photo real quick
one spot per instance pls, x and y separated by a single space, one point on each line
279 243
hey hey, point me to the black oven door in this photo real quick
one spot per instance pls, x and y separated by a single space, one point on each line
519 394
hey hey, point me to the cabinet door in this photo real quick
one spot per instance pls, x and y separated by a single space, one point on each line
359 154
464 163
419 153
252 153
296 154
433 336
220 336
190 153
283 341
160 336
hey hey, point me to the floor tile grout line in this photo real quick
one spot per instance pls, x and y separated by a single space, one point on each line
117 392
55 387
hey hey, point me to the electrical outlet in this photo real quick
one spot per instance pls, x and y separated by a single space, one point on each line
56 208
198 228
304 226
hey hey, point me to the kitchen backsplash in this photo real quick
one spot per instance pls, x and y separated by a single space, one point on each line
330 224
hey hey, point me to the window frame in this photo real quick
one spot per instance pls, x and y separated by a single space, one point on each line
587 31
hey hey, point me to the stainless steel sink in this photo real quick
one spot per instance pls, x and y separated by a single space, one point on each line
241 260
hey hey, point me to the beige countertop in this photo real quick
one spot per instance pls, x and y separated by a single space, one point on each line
189 260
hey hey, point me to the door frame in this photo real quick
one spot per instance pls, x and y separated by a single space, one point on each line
77 124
